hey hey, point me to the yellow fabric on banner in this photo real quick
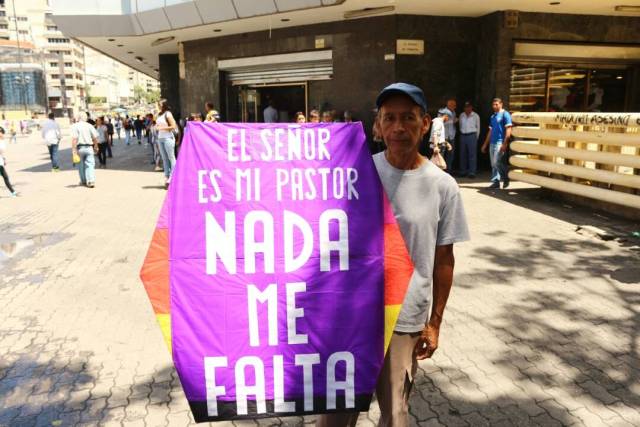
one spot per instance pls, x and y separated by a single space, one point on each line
391 313
164 320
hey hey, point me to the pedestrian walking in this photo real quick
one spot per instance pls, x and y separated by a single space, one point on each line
450 131
166 126
109 137
138 125
428 208
128 127
52 136
13 133
118 126
84 144
3 165
469 133
103 141
438 142
497 143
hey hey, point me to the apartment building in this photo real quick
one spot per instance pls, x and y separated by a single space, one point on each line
73 73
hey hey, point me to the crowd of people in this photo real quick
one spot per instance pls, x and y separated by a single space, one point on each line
448 134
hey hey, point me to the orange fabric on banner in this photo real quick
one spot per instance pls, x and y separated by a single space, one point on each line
398 267
155 271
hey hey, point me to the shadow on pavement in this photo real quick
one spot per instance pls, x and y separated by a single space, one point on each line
542 200
585 345
136 158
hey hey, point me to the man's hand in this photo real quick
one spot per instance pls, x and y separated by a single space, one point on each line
484 148
503 147
427 343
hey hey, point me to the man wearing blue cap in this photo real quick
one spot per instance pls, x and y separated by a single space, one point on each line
428 208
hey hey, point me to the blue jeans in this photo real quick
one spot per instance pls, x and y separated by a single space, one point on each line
167 148
87 165
499 170
53 154
468 153
127 136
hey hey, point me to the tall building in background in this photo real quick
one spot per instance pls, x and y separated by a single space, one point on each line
49 71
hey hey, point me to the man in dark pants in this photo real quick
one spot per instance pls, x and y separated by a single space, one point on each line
138 124
428 208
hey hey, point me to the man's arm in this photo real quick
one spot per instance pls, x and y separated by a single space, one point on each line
442 282
487 138
507 138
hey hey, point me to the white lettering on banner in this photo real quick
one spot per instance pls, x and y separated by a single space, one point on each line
232 145
279 404
257 390
327 245
335 183
294 221
213 390
293 313
214 175
348 384
294 143
270 296
251 247
251 179
221 243
243 391
307 361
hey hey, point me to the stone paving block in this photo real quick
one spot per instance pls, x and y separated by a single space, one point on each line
558 412
476 420
433 422
136 410
598 392
77 400
156 415
587 417
627 413
545 420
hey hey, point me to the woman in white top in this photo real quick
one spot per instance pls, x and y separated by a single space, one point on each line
166 126
3 170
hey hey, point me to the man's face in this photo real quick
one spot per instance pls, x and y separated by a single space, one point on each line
497 105
451 105
468 109
401 124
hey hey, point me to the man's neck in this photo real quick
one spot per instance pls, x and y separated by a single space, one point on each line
405 161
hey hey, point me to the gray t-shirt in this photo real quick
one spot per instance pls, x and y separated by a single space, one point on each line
84 132
428 208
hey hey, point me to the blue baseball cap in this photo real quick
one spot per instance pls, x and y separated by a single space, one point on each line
413 92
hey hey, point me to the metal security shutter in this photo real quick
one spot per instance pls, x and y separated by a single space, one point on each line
285 68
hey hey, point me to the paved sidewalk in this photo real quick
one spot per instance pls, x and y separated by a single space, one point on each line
542 327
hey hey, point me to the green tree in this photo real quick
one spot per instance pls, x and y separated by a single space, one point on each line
153 96
139 93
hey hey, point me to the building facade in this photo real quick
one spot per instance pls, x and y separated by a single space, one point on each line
337 55
71 71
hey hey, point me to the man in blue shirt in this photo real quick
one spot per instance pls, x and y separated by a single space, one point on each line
497 141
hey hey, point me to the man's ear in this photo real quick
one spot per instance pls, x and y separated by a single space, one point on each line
426 123
376 126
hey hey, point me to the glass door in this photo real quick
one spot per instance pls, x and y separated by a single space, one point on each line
249 99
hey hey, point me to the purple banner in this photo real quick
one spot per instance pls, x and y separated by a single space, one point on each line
276 269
